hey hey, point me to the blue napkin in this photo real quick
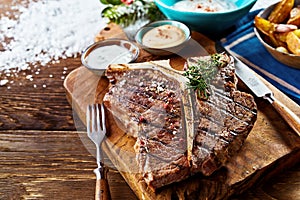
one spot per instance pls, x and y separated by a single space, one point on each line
244 43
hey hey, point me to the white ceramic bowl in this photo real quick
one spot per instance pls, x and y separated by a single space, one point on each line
128 53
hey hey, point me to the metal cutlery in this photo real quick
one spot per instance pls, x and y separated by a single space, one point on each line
96 131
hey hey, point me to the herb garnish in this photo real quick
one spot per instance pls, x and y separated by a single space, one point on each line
201 74
126 12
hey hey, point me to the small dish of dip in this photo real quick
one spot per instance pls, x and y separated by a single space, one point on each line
163 37
98 56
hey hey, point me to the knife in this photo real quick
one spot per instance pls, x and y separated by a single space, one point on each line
261 90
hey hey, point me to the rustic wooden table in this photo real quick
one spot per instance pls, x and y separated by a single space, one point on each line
42 155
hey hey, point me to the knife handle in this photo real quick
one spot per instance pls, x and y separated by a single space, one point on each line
291 118
102 190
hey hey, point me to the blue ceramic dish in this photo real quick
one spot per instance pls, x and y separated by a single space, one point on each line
163 51
206 22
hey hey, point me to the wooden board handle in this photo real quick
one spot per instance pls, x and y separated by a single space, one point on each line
291 118
102 190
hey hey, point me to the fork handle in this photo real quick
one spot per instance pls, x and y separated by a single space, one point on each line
102 190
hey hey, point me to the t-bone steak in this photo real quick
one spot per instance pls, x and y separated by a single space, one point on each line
178 134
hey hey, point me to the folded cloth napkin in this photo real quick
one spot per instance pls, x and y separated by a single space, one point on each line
243 42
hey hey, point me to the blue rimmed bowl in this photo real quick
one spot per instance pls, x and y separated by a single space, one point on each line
206 22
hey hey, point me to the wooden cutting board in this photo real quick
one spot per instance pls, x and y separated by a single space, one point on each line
270 147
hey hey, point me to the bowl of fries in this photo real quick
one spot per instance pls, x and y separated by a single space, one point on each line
278 29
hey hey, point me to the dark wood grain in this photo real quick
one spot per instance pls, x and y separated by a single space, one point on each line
41 100
42 155
50 165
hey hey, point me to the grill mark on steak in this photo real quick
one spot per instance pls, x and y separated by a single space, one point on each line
136 112
220 125
227 98
155 159
226 113
155 126
141 108
144 101
222 139
221 130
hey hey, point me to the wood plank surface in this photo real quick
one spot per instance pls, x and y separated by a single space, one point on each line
271 142
42 155
50 165
25 101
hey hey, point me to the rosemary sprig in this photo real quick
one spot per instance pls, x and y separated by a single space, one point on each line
201 74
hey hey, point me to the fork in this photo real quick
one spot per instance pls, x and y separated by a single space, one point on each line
96 131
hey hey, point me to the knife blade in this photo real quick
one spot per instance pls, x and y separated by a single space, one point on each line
261 90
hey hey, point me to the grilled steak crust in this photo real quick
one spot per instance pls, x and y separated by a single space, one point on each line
222 122
151 106
221 129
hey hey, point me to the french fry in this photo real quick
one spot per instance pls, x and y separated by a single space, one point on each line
267 28
297 32
294 16
281 11
282 27
281 39
293 43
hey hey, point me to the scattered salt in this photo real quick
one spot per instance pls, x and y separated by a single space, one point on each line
3 82
45 31
28 76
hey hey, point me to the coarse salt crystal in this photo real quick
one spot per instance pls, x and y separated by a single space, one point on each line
47 30
28 76
3 82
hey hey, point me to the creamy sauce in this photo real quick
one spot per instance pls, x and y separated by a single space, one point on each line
164 36
204 5
101 57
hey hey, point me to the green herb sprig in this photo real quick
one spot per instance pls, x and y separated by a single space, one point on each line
201 74
126 14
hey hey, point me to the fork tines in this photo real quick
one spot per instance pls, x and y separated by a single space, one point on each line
93 120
